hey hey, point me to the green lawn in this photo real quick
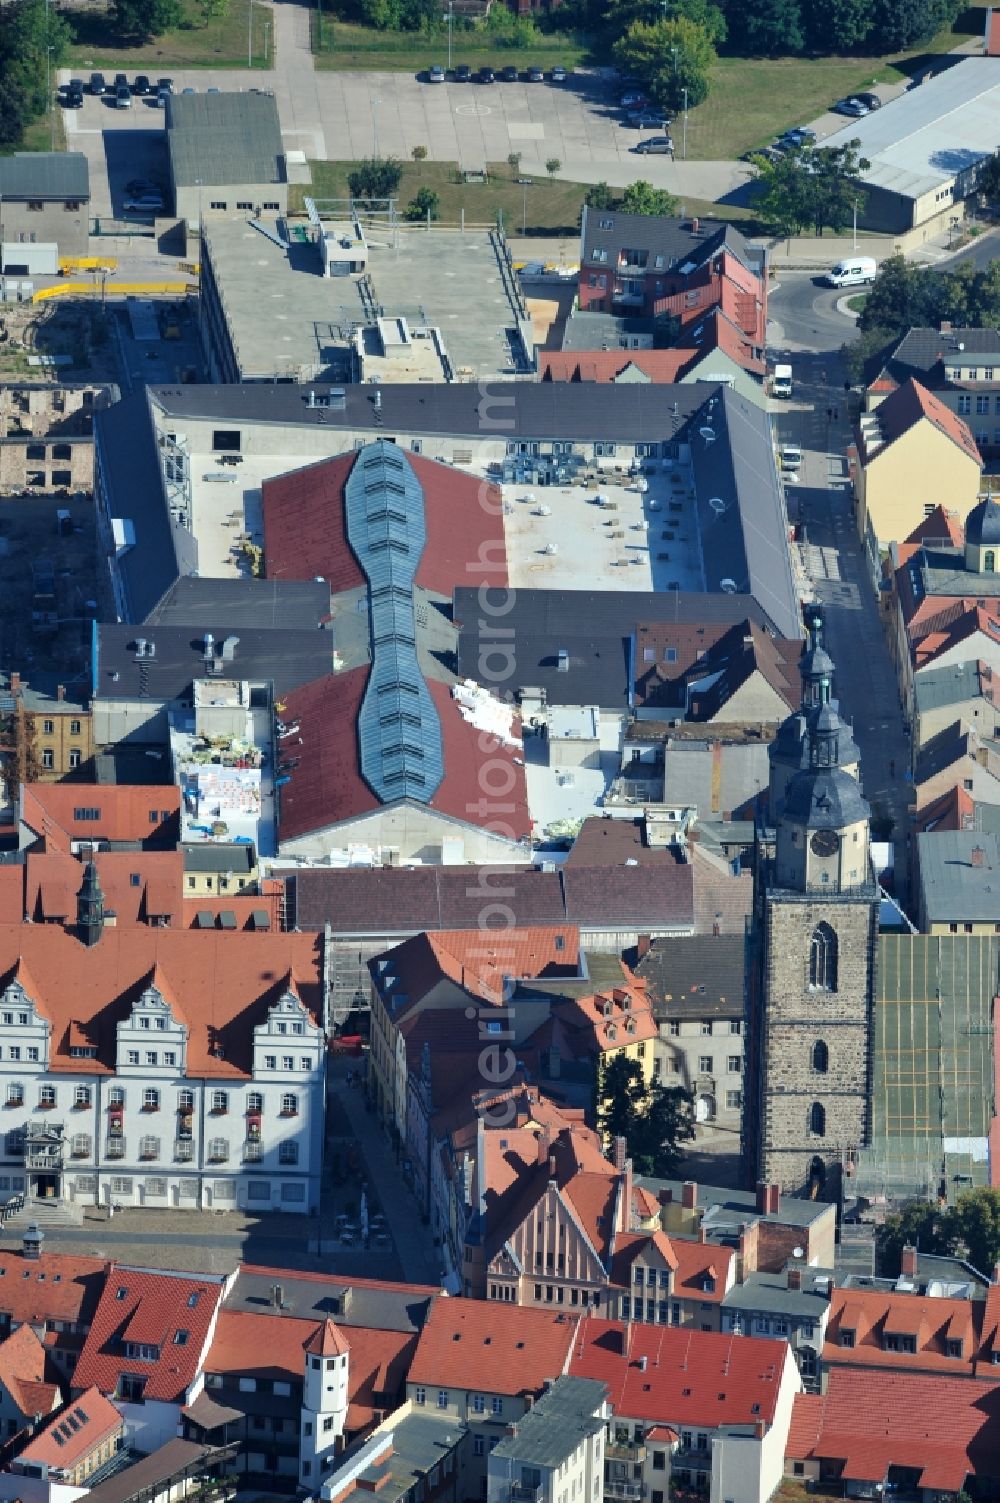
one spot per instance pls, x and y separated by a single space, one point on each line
545 207
753 99
345 45
221 43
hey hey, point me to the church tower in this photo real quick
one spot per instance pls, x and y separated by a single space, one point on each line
812 965
325 1397
90 906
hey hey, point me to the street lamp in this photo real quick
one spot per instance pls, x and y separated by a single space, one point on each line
684 147
524 205
854 206
48 92
250 35
376 101
450 18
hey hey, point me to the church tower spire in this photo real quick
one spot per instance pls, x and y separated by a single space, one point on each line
90 906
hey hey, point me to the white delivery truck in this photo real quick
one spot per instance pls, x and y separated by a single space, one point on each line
856 271
781 381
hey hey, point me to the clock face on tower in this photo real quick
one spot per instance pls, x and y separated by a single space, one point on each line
825 843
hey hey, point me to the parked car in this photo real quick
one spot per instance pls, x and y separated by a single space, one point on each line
509 74
97 84
799 135
655 145
140 85
189 91
870 101
123 97
852 107
536 75
463 73
72 95
164 86
632 100
121 81
144 203
486 75
559 75
138 187
769 153
435 74
647 120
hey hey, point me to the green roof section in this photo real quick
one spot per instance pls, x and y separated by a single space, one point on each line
224 140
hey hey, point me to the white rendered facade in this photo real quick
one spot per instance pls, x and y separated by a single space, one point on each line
153 1134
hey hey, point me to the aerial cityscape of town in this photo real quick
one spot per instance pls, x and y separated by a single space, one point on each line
499 757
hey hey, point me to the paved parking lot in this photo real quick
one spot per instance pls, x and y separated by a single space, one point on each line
344 116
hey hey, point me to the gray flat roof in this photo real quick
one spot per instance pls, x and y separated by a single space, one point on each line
930 135
937 687
45 175
959 876
695 976
741 1205
218 856
286 659
217 139
553 1428
769 1293
315 313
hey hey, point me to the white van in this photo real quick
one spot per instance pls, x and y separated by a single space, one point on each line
781 381
855 272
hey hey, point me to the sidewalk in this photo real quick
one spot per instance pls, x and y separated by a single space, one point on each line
420 1260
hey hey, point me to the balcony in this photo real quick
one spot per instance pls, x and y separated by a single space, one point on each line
618 1488
625 1450
520 1492
692 1458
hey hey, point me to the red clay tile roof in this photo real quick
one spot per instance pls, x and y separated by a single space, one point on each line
125 812
75 1432
22 1373
328 1341
698 1261
327 789
305 531
54 1286
608 1020
491 1347
702 1378
242 908
478 960
873 1313
803 1432
943 1427
940 524
661 366
274 1346
906 407
954 810
223 984
154 1307
52 881
630 1245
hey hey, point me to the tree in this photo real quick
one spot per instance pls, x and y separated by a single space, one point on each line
817 186
784 194
642 198
142 20
666 1123
989 178
599 196
419 153
864 356
770 28
552 166
423 205
514 162
34 41
214 10
837 25
375 177
972 1228
918 1225
668 57
899 25
618 16
653 1120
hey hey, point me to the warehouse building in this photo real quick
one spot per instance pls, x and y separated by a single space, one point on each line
226 156
926 150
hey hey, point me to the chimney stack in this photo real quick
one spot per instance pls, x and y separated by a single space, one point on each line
643 945
978 855
15 683
60 691
552 1166
768 1199
908 1261
795 1277
542 1147
621 1153
689 1195
31 1242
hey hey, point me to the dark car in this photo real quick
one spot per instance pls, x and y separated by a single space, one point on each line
140 85
536 75
164 86
558 75
486 75
72 95
121 81
872 101
509 74
632 99
647 120
97 84
137 186
463 73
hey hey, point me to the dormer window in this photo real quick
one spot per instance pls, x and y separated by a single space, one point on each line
894 1342
953 1347
847 1337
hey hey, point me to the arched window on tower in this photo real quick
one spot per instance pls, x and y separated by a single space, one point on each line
820 1057
823 959
817 1120
989 561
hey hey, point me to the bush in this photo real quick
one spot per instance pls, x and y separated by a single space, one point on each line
419 153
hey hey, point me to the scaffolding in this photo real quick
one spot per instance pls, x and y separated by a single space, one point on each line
932 1070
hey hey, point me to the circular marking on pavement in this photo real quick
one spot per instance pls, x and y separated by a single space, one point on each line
473 109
